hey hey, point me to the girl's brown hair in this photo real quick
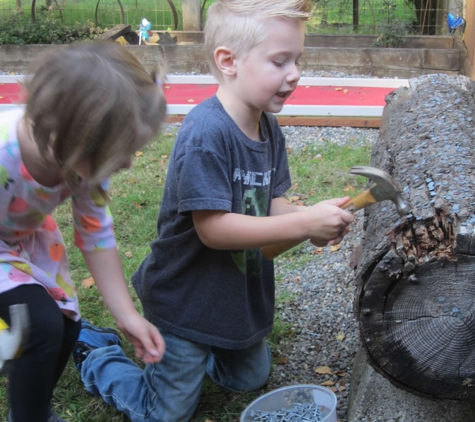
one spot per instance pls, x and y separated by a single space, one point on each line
91 102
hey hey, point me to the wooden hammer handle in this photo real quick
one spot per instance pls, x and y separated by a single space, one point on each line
360 201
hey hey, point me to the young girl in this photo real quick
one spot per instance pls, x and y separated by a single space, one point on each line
89 108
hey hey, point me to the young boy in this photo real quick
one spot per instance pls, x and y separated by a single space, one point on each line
205 283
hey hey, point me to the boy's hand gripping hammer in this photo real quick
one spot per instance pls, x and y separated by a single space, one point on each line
383 188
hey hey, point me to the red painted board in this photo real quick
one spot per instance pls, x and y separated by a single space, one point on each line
303 95
10 93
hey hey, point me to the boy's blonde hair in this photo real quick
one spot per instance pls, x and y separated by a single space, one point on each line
239 24
90 102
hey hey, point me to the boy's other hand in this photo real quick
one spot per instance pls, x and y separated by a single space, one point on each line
328 222
144 336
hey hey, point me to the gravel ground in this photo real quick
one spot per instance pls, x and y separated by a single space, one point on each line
321 313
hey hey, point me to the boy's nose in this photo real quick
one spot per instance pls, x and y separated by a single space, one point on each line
294 75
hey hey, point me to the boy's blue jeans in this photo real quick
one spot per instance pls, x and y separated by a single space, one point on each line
169 391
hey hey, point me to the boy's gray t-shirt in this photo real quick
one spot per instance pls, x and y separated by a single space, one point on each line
222 298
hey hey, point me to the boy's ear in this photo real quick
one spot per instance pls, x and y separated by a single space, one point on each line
225 62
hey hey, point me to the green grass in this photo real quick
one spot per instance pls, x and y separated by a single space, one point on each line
136 196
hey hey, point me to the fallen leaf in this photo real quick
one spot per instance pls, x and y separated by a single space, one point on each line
282 361
337 89
323 370
328 382
348 188
333 389
88 282
1 97
317 251
166 87
297 279
335 248
138 206
190 101
340 336
164 156
138 153
128 254
346 91
342 388
307 86
132 181
294 198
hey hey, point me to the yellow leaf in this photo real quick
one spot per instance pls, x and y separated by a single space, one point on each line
282 361
340 336
88 282
323 370
335 248
164 156
128 254
132 181
337 89
138 153
1 97
327 383
166 87
346 91
190 101
348 188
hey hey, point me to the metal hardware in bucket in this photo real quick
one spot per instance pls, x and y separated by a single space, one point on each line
293 403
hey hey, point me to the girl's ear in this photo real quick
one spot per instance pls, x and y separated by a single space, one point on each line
224 60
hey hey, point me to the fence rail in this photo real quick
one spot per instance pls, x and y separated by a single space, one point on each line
422 17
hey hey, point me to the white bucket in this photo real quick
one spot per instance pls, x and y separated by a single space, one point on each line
286 397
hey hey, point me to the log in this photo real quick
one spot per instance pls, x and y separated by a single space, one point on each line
415 297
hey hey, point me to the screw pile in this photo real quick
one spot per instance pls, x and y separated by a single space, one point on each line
298 413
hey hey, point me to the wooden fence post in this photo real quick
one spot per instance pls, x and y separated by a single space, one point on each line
191 15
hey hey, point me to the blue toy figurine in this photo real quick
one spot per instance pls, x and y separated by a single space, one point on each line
454 23
144 28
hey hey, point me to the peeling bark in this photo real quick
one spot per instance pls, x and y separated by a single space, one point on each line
416 275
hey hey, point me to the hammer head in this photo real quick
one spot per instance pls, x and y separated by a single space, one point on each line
384 187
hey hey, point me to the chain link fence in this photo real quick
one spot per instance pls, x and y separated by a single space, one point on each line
425 17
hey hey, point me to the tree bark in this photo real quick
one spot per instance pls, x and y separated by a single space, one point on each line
415 300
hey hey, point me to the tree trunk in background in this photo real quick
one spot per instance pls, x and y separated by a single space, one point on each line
18 4
416 275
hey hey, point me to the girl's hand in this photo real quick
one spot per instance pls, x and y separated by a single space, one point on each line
144 336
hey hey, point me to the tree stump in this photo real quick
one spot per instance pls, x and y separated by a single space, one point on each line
415 299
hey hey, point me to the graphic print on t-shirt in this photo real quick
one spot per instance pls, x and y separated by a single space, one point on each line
255 203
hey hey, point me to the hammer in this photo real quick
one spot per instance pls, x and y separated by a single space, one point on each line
13 338
383 188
